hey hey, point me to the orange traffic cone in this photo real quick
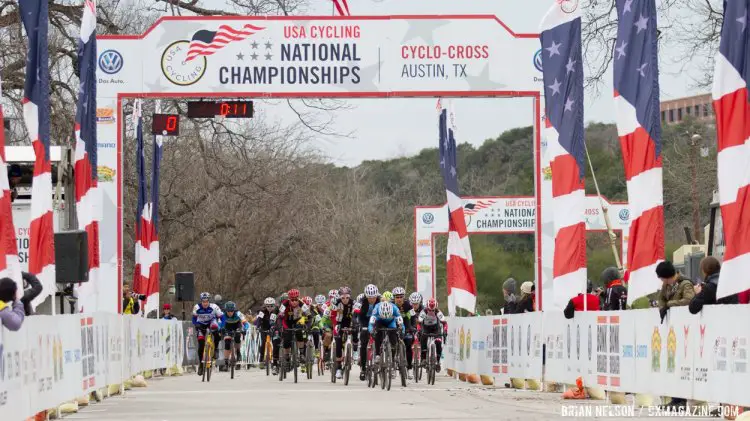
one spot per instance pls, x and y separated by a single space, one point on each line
577 392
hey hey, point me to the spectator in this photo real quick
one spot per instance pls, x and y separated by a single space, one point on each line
33 290
167 312
577 303
509 293
526 303
11 310
130 304
615 294
705 293
676 290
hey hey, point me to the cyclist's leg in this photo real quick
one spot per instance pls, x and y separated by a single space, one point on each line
393 338
355 339
276 341
408 341
339 346
237 344
227 346
301 344
217 338
201 334
262 346
316 339
423 343
378 341
364 339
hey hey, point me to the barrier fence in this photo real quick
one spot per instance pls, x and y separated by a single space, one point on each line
702 356
54 359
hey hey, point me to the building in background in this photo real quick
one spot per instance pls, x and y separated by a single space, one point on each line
698 107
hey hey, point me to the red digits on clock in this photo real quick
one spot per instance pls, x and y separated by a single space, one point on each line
171 123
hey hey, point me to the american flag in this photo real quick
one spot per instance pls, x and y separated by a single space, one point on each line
205 43
636 83
472 208
733 135
462 283
563 90
341 7
36 114
9 266
88 202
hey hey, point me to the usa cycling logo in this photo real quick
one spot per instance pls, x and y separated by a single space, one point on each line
110 62
538 59
428 218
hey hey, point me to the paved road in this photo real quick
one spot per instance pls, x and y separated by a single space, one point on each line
253 396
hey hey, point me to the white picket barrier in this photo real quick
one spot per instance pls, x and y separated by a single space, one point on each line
54 359
703 357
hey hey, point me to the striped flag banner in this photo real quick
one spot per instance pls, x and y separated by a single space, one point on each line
460 277
341 7
563 90
140 230
636 82
9 266
733 135
88 201
150 229
205 42
36 114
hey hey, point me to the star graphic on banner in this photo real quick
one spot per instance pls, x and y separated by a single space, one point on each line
743 20
554 49
240 56
626 9
621 50
268 56
369 77
642 24
424 29
254 45
482 81
555 87
254 56
442 163
569 67
268 45
569 104
642 69
453 171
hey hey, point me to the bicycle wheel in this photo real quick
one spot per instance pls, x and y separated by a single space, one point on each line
204 360
232 362
267 355
295 357
309 356
402 362
347 363
431 363
416 362
387 370
321 358
334 363
209 364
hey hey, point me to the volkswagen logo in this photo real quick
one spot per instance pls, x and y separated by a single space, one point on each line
110 61
428 218
624 215
538 59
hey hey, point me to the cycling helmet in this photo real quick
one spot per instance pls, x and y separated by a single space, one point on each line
307 300
333 294
205 296
345 291
320 299
371 291
360 297
388 296
415 298
293 294
399 291
230 306
432 304
386 310
284 296
269 302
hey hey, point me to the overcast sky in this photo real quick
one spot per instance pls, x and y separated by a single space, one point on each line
389 128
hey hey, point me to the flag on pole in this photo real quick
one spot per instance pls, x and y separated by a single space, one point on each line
563 90
636 82
141 204
733 135
461 280
150 239
9 266
36 114
341 7
87 198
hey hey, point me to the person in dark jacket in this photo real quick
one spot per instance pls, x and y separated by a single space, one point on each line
577 303
676 290
615 294
509 293
705 293
526 303
32 290
11 310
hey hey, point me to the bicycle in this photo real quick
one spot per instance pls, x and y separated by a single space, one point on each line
416 358
386 360
431 362
208 356
321 354
293 356
233 352
333 359
401 359
348 354
309 355
370 369
268 351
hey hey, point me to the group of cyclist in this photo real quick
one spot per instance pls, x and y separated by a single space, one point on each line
325 318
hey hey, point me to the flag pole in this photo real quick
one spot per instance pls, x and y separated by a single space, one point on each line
605 211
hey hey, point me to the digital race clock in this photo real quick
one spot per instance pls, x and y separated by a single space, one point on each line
228 109
166 125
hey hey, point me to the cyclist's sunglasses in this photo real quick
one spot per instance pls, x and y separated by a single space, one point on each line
294 300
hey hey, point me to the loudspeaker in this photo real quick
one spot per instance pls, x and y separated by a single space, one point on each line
71 257
185 286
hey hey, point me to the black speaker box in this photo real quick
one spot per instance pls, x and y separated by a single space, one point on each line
71 256
185 286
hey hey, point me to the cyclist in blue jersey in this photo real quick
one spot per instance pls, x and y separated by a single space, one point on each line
206 315
385 315
234 326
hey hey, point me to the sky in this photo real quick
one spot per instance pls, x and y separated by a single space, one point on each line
391 128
